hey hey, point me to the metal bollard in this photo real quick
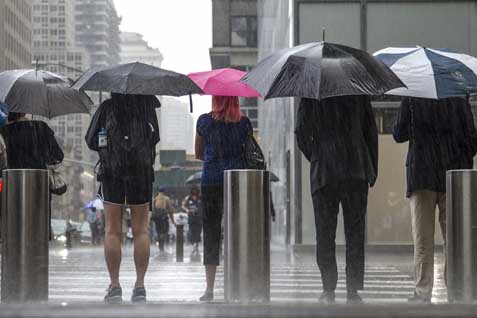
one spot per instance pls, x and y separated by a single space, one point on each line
247 236
180 243
461 235
25 235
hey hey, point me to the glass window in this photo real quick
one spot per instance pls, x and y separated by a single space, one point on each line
244 31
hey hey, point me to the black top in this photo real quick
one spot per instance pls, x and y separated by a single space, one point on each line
340 139
442 137
30 145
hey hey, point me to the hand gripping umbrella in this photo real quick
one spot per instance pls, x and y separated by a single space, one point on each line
41 93
321 70
139 79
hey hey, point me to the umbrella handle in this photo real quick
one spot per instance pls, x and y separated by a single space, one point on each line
190 103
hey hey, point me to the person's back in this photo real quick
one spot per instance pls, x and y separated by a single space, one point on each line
339 137
30 145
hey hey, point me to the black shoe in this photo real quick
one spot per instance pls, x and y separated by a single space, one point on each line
418 299
138 295
114 295
208 296
353 298
327 298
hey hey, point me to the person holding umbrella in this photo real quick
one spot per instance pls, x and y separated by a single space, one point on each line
124 131
219 138
336 131
437 121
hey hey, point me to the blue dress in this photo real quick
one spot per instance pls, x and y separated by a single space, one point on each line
222 146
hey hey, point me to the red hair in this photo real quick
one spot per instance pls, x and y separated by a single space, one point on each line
226 108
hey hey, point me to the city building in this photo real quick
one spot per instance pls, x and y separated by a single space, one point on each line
234 38
97 30
135 49
369 25
15 34
176 125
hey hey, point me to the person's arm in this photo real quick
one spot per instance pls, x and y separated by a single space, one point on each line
199 147
401 128
371 135
3 154
184 206
304 129
92 134
170 210
55 154
471 132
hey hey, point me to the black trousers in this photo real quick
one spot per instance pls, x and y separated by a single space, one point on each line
353 196
213 210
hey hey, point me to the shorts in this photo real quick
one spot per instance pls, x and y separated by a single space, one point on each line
126 190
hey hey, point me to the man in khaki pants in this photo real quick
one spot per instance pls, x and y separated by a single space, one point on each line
442 137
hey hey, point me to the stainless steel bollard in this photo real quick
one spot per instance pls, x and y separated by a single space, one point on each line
247 236
25 204
462 235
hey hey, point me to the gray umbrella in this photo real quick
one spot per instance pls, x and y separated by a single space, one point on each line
41 93
195 178
137 78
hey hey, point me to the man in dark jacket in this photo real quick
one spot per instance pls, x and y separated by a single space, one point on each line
442 136
340 139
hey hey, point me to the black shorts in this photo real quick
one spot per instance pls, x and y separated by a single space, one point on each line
135 190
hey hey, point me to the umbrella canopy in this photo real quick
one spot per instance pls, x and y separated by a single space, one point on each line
223 82
431 73
195 178
97 203
41 93
320 70
3 114
137 78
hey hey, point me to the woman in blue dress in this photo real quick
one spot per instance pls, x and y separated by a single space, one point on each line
219 139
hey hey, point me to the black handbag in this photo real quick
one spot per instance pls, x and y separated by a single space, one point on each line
253 155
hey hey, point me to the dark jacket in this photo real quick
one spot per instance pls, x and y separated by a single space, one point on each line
132 133
442 137
30 144
340 139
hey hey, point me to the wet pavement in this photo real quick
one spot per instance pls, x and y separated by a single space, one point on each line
78 278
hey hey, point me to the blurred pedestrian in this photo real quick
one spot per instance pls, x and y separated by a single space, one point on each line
340 139
162 211
193 206
92 218
124 131
219 139
30 144
441 136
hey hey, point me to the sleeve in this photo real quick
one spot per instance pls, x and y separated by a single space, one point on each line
470 129
155 124
201 125
55 154
401 128
91 137
304 129
370 134
3 153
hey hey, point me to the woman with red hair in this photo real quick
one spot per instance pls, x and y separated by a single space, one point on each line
219 139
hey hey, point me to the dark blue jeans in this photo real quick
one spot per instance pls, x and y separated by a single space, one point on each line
353 196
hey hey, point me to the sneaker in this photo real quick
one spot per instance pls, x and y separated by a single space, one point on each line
353 298
114 295
327 298
418 299
138 295
208 296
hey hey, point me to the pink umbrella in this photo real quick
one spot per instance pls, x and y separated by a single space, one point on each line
223 82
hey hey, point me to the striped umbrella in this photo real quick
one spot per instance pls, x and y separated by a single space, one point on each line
431 73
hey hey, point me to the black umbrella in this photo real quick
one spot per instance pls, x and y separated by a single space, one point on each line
41 93
195 178
320 70
137 78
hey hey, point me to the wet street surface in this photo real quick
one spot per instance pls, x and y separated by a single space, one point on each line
78 279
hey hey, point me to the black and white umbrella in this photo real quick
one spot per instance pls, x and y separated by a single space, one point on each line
431 73
321 70
41 93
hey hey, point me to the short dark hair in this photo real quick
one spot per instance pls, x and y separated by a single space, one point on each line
12 116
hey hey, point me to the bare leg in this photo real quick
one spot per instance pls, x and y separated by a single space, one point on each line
112 241
140 222
210 271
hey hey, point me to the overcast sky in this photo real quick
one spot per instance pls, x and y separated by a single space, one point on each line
180 29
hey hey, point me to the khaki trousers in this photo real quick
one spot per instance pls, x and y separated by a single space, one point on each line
423 211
